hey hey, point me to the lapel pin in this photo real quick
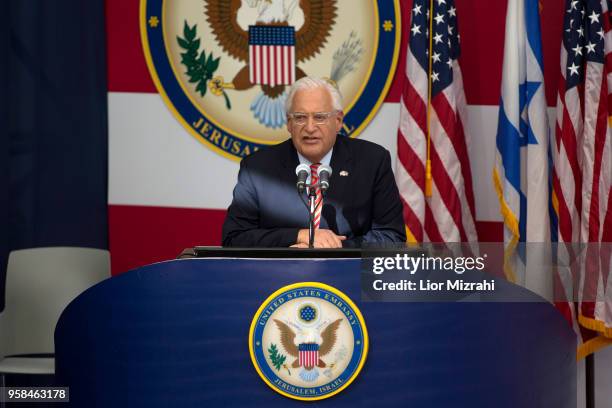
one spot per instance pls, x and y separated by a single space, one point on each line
344 173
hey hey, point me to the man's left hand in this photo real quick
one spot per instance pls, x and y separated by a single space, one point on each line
300 245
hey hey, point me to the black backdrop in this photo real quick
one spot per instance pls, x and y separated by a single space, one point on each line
53 126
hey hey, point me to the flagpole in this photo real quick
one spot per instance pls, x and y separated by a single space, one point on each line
589 386
428 186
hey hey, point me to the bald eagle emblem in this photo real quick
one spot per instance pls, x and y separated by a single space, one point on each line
308 352
224 67
308 341
272 49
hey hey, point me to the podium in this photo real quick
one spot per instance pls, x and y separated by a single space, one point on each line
176 333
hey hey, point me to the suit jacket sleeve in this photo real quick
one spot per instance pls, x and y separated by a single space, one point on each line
387 217
242 224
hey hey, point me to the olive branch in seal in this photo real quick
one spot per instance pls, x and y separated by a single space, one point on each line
278 360
200 67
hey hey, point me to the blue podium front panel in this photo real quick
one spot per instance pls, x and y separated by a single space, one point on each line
176 334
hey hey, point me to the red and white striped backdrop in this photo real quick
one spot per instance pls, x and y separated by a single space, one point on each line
168 192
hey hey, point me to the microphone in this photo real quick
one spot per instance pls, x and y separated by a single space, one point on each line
324 172
302 171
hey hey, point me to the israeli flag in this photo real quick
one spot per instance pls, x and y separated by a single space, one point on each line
520 174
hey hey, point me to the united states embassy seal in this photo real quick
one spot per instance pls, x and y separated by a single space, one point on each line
223 67
308 341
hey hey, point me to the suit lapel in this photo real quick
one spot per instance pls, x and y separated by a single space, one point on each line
289 160
293 209
340 181
289 156
341 164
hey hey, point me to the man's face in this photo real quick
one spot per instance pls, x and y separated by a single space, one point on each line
313 140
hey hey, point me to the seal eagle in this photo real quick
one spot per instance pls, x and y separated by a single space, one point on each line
328 336
319 19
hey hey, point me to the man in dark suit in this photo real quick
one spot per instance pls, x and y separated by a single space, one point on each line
362 204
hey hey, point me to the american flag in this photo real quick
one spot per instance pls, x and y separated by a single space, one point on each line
308 355
582 153
271 55
448 215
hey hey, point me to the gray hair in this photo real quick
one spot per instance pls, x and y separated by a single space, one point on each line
313 83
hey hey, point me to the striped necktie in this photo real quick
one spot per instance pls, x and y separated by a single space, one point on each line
314 179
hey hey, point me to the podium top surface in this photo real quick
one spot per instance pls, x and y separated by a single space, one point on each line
285 253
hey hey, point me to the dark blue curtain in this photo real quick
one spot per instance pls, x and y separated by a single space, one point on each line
53 126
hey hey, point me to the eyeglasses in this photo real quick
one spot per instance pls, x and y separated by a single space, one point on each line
319 118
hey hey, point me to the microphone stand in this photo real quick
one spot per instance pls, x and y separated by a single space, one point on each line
312 196
310 206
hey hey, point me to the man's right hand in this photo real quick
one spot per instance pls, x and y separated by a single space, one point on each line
324 238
